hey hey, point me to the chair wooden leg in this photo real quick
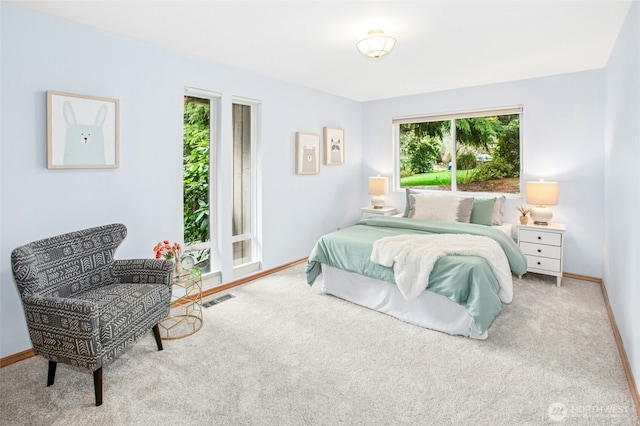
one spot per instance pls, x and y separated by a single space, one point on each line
97 386
52 372
156 334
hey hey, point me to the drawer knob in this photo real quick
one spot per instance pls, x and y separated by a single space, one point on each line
539 251
538 263
539 237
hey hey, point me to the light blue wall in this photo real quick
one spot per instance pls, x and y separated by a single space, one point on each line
622 188
40 53
562 128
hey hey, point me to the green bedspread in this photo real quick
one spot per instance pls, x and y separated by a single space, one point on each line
466 280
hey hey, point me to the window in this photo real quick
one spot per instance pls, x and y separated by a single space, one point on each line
244 215
199 130
475 151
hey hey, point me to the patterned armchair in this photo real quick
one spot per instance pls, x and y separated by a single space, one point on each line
83 307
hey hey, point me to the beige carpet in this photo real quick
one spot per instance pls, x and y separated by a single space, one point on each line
281 353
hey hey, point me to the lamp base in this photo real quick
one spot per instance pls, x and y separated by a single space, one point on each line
541 215
377 201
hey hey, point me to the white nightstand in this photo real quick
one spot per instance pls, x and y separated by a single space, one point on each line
370 211
543 247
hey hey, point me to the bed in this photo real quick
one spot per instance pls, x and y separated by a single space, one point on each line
462 290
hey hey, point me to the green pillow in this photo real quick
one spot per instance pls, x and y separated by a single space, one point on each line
482 211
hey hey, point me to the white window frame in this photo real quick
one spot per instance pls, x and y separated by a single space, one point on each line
451 116
214 275
256 257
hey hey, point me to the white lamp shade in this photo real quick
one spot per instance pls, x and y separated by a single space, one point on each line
376 44
378 186
542 193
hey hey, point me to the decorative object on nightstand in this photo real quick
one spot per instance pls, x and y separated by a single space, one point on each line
524 211
373 211
378 186
543 247
542 194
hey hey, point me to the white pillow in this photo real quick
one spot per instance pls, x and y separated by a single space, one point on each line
498 210
437 207
464 208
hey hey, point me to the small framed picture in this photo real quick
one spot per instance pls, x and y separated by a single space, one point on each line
333 146
82 132
307 153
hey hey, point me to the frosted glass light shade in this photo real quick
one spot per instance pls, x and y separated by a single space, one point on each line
376 44
542 194
378 186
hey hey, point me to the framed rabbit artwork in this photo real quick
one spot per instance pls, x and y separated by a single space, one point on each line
82 131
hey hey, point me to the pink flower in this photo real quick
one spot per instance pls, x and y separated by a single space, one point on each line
166 250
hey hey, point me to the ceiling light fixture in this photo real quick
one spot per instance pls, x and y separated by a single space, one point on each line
376 44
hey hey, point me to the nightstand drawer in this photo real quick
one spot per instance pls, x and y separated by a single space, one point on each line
544 263
541 250
370 211
369 214
541 237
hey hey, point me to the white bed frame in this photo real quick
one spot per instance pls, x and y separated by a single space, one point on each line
429 310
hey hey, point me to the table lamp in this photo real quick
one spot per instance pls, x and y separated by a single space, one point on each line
378 186
542 194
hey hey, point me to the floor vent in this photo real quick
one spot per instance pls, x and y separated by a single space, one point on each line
218 300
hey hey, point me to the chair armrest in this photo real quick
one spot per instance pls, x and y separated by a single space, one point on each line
65 330
143 271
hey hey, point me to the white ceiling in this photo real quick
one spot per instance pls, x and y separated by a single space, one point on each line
440 44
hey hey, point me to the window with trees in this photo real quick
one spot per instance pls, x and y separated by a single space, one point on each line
199 129
475 151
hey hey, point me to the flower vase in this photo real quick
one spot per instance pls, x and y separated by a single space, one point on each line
524 220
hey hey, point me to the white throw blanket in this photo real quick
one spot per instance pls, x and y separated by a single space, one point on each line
413 257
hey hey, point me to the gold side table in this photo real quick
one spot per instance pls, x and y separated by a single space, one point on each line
185 317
